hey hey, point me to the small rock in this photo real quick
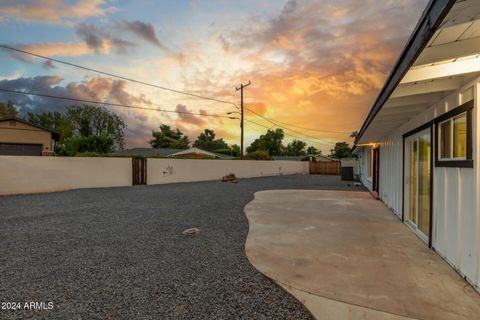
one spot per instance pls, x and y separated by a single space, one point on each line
191 231
230 178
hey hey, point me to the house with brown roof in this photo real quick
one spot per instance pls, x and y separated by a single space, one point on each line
19 137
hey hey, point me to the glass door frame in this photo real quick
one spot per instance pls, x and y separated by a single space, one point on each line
407 138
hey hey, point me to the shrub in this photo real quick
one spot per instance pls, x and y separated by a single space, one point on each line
96 144
258 155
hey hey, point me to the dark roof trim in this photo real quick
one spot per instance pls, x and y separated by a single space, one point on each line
55 135
431 19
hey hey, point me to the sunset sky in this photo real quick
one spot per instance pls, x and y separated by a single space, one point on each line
315 65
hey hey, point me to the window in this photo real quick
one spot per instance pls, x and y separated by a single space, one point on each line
454 137
460 136
453 143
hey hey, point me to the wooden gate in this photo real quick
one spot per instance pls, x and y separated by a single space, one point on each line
326 167
139 171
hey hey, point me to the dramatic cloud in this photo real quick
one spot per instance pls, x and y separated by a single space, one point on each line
53 11
49 65
96 89
100 41
143 30
188 119
315 64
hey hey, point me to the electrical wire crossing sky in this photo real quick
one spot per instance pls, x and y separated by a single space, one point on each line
315 66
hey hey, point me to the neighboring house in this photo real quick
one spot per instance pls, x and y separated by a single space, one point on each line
192 153
196 153
288 158
316 157
147 152
419 145
19 137
321 158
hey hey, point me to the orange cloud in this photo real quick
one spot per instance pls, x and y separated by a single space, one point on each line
56 11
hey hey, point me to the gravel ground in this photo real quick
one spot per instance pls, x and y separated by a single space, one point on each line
119 253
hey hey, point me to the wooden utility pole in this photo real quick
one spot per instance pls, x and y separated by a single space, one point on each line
241 116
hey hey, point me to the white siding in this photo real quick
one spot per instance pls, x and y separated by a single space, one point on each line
456 207
390 185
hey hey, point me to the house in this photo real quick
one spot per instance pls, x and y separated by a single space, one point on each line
196 153
418 147
311 157
192 153
19 137
147 152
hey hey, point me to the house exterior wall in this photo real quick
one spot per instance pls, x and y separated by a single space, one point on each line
24 133
456 191
162 171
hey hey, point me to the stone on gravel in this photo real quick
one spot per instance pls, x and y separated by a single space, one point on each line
191 232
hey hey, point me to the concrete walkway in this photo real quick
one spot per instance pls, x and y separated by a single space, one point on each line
346 256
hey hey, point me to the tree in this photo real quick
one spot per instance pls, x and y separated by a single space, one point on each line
295 148
101 129
96 144
7 109
89 120
341 150
168 138
206 141
354 134
270 142
258 155
313 150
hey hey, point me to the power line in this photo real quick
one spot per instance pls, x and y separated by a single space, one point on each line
275 122
283 127
290 135
112 104
311 129
116 76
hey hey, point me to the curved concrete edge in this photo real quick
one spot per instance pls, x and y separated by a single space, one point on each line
319 306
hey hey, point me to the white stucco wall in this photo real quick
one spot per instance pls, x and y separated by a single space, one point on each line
456 191
184 170
24 174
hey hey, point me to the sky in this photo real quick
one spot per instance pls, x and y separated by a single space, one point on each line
315 66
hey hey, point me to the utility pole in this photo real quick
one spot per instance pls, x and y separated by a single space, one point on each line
241 115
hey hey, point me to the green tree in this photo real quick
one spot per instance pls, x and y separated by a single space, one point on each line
295 148
103 128
235 150
206 141
258 155
341 150
270 142
313 150
7 109
97 144
168 138
97 121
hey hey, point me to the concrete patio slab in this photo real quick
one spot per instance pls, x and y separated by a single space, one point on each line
331 248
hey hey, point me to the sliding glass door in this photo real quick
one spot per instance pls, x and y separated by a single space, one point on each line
418 150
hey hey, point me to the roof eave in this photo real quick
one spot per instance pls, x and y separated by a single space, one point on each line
431 18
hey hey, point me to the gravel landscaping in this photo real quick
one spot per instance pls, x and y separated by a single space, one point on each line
119 253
